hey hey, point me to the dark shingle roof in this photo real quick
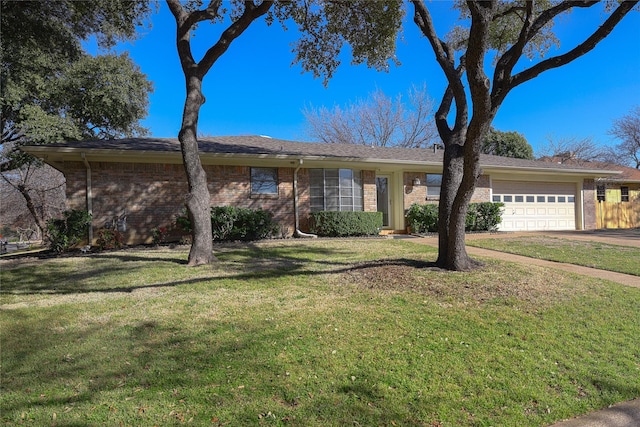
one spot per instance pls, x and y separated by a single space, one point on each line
265 146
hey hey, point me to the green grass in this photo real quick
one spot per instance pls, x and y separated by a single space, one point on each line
621 259
327 332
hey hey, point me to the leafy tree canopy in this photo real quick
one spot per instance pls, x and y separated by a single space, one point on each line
510 31
507 144
51 89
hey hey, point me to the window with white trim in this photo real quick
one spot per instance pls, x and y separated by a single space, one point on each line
264 181
624 194
336 190
601 193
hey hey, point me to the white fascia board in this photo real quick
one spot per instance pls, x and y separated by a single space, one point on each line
591 173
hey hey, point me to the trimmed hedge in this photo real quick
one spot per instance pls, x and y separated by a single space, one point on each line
483 216
345 223
229 223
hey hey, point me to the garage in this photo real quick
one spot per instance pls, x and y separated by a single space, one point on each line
533 206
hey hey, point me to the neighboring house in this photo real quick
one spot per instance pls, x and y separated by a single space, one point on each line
143 181
617 196
618 199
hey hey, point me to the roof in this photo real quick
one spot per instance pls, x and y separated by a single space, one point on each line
242 148
626 174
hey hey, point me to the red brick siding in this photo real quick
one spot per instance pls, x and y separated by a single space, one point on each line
370 193
152 195
589 204
418 193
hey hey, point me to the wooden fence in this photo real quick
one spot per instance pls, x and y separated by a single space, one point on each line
618 214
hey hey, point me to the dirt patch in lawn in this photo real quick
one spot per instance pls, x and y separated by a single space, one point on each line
530 284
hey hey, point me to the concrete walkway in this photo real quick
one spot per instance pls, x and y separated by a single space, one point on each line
622 240
624 414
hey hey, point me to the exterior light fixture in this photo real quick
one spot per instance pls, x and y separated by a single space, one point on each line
416 181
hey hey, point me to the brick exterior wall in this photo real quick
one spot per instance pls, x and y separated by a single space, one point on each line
151 195
418 193
370 193
589 204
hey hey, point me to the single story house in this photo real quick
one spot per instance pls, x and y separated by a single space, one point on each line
142 181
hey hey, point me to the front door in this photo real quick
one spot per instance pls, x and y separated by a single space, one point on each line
384 199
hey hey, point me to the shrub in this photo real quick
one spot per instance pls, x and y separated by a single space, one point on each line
109 238
346 223
231 223
423 218
158 235
66 232
483 216
487 216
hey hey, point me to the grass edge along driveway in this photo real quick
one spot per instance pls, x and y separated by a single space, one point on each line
329 332
603 256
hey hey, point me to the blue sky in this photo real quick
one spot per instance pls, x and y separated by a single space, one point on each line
254 90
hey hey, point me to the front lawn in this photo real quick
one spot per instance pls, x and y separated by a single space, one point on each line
621 259
325 332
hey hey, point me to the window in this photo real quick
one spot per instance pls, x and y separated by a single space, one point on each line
508 199
571 199
496 198
540 199
601 193
551 199
264 181
530 199
519 199
433 182
562 199
336 190
624 194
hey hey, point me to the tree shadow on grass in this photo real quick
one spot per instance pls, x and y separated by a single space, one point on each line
55 280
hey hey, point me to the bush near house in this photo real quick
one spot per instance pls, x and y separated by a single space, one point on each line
230 223
67 232
345 223
483 216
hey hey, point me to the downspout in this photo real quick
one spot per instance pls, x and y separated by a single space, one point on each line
297 232
89 196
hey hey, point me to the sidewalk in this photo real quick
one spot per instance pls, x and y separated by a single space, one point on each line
624 414
624 279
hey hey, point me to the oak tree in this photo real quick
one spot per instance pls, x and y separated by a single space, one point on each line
506 144
187 17
53 91
519 34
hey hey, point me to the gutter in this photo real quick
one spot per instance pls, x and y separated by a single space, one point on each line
89 195
297 232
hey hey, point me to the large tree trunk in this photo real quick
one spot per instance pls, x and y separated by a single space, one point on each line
458 183
198 199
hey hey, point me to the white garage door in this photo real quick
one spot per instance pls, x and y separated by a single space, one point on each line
531 206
